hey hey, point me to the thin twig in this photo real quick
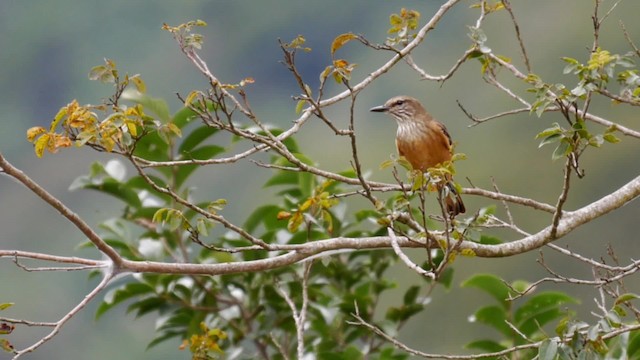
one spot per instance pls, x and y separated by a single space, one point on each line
629 40
60 323
507 5
400 345
562 198
405 259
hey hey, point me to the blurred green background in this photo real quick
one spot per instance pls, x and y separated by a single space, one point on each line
48 48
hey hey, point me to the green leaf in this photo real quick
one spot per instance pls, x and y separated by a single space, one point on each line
157 106
520 285
386 164
597 140
561 151
5 306
352 352
555 129
489 240
202 153
202 226
146 306
283 178
610 138
266 215
494 316
174 219
403 313
411 295
446 277
118 190
184 115
122 293
163 336
289 142
540 309
549 139
485 346
548 350
103 73
196 137
300 105
619 300
491 284
572 65
633 348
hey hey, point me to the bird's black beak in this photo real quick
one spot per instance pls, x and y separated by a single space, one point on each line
380 108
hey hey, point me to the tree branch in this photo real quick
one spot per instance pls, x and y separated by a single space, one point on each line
63 209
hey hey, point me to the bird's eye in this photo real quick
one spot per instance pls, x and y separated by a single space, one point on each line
399 102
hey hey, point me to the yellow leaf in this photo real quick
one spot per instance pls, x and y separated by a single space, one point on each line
139 84
325 73
395 20
107 143
61 114
133 129
174 129
191 97
300 105
467 252
41 144
294 222
306 204
339 41
35 131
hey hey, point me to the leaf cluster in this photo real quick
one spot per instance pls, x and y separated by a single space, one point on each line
6 329
518 322
248 308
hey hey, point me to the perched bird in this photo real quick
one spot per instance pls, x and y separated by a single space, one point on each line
423 141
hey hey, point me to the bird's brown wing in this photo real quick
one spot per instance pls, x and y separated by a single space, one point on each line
444 130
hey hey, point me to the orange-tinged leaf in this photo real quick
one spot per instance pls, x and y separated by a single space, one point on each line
283 215
340 63
246 81
294 222
340 40
61 141
5 345
35 131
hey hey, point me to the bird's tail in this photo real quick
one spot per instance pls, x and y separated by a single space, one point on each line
453 201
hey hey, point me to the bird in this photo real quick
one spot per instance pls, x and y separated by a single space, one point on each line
424 142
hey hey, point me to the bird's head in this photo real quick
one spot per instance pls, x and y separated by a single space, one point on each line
402 108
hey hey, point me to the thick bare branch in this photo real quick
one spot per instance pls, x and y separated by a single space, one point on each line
62 208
